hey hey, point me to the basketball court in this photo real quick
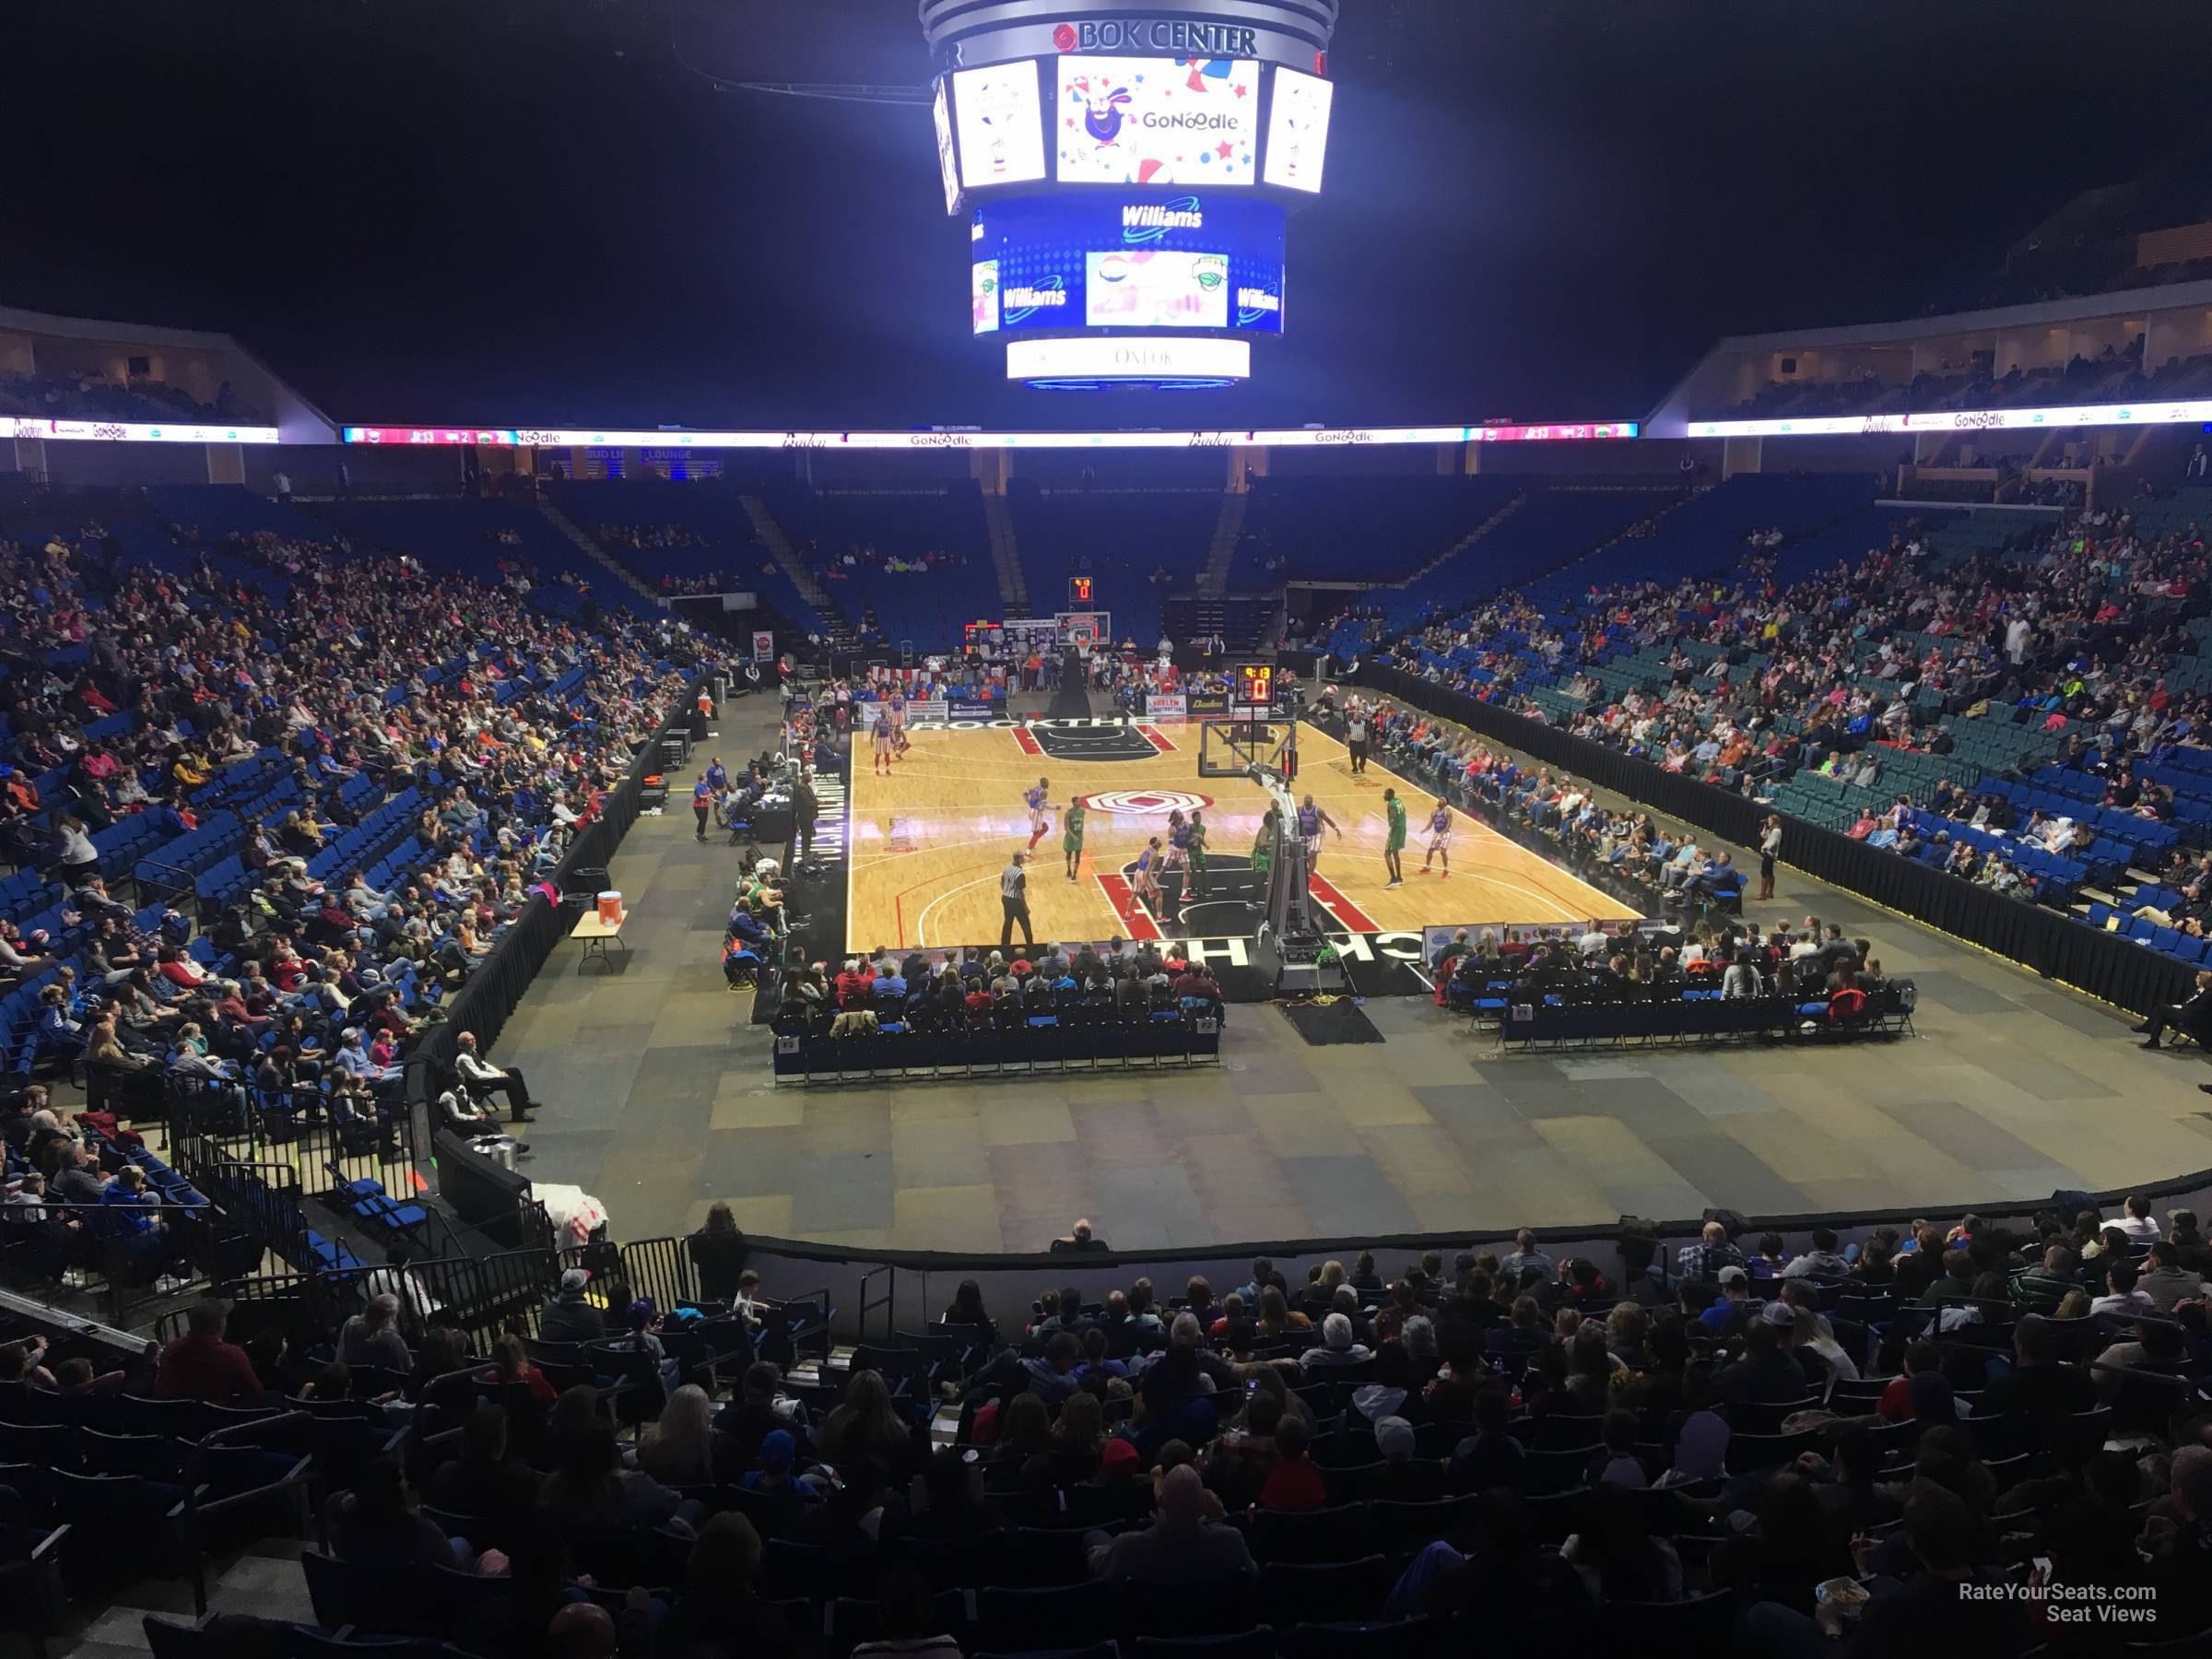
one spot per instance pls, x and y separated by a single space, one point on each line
929 841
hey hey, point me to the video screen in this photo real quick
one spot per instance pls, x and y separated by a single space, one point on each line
1298 130
941 113
1069 260
1139 287
1000 126
984 293
1155 121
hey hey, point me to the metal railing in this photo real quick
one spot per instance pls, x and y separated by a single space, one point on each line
868 1304
660 1268
114 1261
172 884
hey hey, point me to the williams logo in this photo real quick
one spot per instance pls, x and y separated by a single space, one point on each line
1024 302
1149 221
1255 305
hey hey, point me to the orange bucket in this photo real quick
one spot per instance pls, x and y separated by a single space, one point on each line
610 908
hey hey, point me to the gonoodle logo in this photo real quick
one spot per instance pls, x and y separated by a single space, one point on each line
1150 221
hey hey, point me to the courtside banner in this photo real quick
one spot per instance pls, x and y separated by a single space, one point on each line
1208 705
957 709
1168 708
934 710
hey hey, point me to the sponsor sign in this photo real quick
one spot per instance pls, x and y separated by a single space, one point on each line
1254 438
1155 121
1205 705
2187 412
1000 124
1166 708
957 709
764 646
1172 358
1298 130
136 432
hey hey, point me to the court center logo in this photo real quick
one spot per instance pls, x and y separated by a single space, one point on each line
1144 803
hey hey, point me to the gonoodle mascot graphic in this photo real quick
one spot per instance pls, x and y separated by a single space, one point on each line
1102 107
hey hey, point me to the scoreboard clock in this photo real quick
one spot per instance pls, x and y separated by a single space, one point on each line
1078 592
1254 686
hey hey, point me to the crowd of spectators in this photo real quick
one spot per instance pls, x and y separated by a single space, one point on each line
883 991
347 683
857 557
1937 1429
1803 961
661 538
1845 671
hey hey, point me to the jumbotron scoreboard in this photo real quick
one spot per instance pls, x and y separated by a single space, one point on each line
1127 178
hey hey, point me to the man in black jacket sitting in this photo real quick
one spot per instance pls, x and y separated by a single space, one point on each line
2193 1018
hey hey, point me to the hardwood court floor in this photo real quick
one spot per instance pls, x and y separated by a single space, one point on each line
929 841
657 1098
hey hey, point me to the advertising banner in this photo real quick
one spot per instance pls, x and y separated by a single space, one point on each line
1208 705
764 646
1298 130
1166 708
1000 124
1155 121
1204 260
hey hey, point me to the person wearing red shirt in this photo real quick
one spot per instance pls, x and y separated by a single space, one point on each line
201 1366
854 984
1293 1483
1895 1406
180 971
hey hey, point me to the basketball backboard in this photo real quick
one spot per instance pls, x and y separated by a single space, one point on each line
1230 748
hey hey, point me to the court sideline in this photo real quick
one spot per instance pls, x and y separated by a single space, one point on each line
659 1102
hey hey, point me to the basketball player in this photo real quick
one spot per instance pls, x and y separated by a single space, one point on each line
882 735
1311 822
1393 842
1194 851
1263 847
1144 876
1071 836
1037 801
898 701
1178 842
1439 841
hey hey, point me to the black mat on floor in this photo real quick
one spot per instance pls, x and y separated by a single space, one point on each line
1340 1021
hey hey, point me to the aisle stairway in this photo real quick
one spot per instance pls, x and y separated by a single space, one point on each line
1221 552
842 636
569 527
1006 556
1464 542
